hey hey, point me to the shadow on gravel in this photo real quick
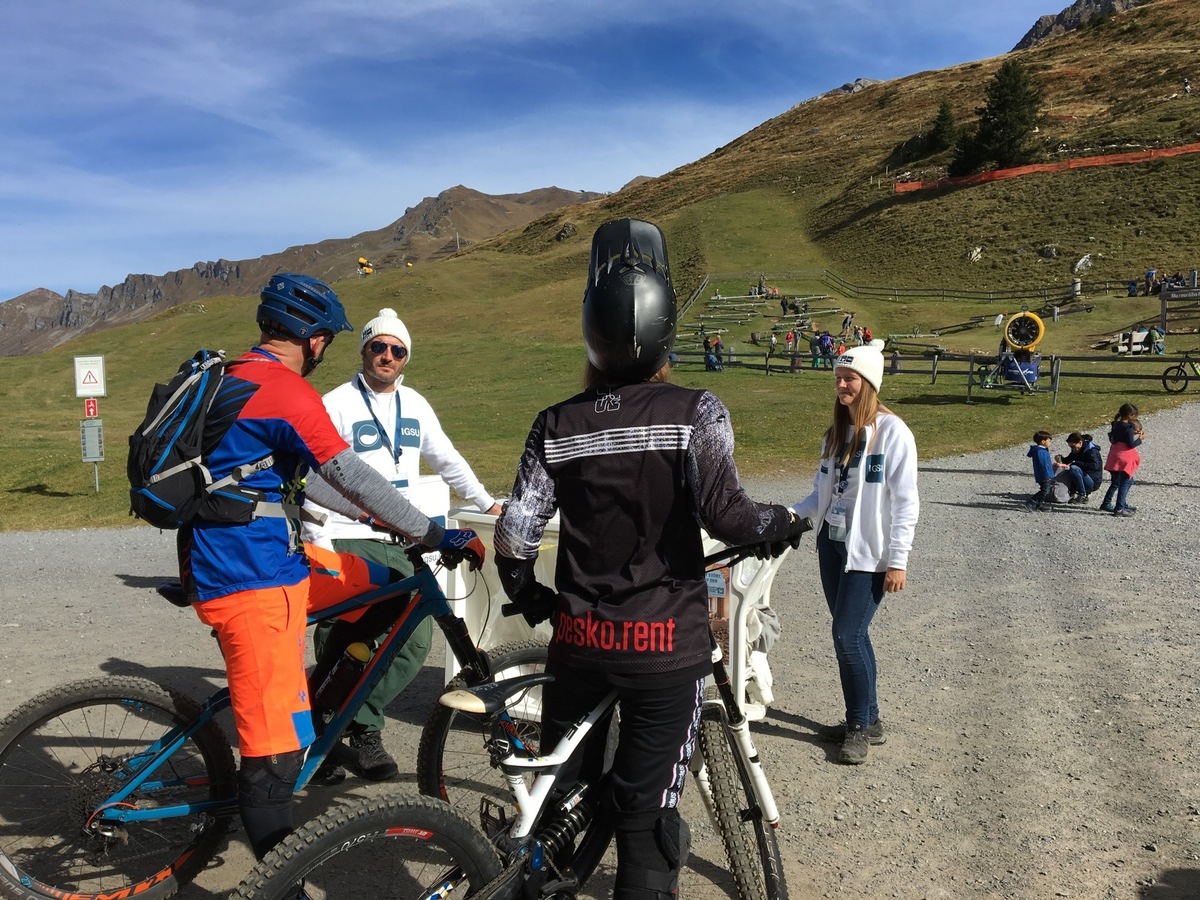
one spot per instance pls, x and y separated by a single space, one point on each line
777 723
144 581
194 681
412 707
990 473
947 399
1175 884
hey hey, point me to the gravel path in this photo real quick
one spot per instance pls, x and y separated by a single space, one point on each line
1038 678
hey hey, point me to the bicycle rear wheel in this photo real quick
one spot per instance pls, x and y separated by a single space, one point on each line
453 763
1174 379
749 841
403 847
64 752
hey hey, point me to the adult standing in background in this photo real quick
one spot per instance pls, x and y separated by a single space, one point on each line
252 581
865 505
643 463
392 428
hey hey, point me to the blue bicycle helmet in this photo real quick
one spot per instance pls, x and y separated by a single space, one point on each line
301 306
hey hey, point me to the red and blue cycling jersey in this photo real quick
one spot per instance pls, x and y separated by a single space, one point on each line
270 411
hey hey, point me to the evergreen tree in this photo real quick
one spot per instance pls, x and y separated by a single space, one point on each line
1010 117
943 132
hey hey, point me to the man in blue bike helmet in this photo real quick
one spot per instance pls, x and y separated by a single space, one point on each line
247 573
634 466
297 306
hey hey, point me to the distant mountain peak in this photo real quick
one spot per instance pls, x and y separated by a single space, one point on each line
1077 14
435 228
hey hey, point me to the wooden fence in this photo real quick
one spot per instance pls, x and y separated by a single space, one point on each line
953 365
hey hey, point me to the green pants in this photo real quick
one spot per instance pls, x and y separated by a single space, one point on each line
408 661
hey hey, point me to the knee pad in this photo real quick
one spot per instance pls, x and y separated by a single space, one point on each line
265 786
651 850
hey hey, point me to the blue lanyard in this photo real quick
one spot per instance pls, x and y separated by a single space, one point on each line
393 443
852 463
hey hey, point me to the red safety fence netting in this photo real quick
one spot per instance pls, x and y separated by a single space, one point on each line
1115 159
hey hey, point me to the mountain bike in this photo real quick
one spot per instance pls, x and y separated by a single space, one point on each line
548 848
1175 378
455 756
116 786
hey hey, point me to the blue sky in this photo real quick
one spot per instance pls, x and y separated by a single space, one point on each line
141 136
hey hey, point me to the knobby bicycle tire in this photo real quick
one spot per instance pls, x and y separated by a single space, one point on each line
65 751
1175 379
750 842
452 759
399 847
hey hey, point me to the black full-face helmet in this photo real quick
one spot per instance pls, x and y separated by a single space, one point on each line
629 303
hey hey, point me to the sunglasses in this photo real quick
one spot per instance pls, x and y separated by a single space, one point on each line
399 351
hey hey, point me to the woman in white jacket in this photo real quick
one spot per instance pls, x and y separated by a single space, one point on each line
864 498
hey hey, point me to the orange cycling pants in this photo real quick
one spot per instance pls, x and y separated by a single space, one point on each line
262 635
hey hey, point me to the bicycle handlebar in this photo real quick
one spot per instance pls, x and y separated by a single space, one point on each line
729 555
736 554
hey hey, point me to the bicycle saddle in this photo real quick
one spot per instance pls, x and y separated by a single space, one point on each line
489 699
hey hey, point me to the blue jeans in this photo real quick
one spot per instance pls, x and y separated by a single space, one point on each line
853 598
1119 487
1080 483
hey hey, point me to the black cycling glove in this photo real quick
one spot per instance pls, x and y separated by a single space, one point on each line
796 528
533 600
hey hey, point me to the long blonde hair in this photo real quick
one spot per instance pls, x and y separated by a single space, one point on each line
594 378
843 436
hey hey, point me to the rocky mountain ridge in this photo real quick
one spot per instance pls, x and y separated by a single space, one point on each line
1077 15
435 228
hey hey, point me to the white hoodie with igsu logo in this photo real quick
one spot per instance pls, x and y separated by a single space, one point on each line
885 504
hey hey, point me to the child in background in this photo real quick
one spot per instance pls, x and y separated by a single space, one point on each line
1043 470
1125 436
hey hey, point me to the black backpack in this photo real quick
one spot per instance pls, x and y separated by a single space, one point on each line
169 485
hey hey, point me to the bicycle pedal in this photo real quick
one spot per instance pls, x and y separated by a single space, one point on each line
492 817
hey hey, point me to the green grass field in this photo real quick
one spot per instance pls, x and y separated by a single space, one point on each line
489 351
496 328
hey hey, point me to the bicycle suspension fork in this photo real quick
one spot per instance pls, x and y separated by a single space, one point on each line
739 727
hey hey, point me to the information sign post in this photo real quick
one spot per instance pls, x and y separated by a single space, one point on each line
89 384
91 438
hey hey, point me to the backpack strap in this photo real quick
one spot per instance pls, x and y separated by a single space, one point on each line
263 509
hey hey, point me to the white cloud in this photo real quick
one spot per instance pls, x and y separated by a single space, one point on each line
165 132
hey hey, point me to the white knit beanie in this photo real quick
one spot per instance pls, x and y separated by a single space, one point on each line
867 361
387 322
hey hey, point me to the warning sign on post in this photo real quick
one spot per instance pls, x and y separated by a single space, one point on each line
89 376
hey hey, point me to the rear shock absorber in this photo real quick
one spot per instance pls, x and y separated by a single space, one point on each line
573 815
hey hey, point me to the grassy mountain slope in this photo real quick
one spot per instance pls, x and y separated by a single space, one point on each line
496 327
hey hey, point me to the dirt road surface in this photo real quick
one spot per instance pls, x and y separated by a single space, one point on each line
1039 679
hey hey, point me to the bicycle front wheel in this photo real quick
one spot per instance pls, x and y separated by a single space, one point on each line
749 841
65 752
453 763
1174 379
403 847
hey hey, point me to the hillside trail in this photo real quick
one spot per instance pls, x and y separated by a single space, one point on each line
1038 678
